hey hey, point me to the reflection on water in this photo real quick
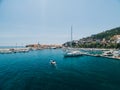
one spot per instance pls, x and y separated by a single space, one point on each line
53 65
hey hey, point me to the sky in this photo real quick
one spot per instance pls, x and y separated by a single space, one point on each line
49 21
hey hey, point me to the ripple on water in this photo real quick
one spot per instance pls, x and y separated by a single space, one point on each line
32 71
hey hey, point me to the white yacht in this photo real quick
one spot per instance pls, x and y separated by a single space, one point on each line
73 53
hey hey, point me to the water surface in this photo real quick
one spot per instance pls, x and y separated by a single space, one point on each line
32 71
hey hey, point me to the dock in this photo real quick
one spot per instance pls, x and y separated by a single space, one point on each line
13 50
112 54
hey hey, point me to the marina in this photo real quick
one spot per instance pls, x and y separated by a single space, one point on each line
59 45
74 52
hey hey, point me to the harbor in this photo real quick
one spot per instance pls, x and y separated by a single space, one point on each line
106 53
33 71
59 45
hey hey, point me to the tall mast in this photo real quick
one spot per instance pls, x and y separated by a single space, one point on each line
71 33
71 36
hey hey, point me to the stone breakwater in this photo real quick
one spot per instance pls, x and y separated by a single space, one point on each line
13 50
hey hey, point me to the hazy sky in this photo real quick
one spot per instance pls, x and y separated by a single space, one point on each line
49 21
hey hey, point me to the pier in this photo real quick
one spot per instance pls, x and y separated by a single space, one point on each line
106 53
13 50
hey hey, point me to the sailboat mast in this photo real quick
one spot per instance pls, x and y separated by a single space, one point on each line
71 37
71 33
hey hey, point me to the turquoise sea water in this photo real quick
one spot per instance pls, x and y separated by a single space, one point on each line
32 71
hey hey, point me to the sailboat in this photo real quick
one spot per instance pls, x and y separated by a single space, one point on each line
71 52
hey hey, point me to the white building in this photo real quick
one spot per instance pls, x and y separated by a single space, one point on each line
116 38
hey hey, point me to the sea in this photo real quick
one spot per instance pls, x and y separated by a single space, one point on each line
33 71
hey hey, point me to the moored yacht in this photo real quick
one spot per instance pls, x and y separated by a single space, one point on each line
71 52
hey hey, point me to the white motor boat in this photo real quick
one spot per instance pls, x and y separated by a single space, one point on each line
52 62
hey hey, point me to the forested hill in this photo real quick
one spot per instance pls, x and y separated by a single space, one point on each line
100 40
107 34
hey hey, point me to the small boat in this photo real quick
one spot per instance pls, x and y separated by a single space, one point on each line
52 62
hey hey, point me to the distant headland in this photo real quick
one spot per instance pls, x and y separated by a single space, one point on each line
44 46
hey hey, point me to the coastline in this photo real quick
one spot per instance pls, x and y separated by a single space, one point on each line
100 52
106 53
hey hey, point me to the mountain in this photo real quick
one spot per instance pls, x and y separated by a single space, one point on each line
100 40
107 34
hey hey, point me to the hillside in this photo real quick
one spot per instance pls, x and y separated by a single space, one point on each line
107 34
100 40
